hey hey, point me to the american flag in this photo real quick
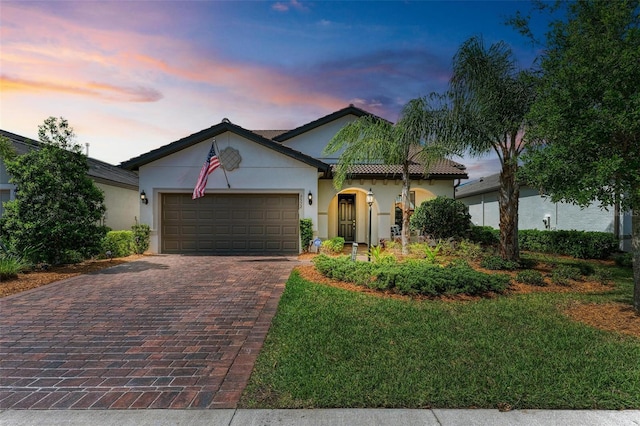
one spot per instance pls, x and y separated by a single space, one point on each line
209 166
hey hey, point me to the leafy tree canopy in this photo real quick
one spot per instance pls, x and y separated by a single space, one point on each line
56 214
586 119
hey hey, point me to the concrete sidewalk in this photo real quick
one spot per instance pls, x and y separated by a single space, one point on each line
351 417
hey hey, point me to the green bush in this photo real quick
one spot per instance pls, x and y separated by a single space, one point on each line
419 277
11 266
72 256
57 207
469 250
603 276
118 243
531 277
485 235
141 234
333 245
567 271
442 218
412 277
344 269
579 244
306 233
624 260
496 263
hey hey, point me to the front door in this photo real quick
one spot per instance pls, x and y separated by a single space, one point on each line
347 217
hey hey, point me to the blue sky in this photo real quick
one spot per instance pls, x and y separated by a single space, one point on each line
131 76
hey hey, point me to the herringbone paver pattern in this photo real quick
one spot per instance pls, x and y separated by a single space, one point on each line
161 332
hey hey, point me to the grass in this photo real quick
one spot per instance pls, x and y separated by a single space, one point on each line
329 347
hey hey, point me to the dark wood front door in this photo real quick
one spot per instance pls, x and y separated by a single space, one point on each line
347 217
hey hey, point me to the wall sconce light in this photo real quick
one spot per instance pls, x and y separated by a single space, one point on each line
143 198
310 198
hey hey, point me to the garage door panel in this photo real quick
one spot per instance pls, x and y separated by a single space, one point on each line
274 215
289 215
230 224
289 231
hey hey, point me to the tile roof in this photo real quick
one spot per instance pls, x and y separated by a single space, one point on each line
443 169
98 170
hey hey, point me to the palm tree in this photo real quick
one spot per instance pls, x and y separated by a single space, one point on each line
490 97
372 140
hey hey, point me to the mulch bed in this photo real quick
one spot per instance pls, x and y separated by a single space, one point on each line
616 317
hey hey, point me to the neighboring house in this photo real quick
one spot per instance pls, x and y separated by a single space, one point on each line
120 186
275 179
538 212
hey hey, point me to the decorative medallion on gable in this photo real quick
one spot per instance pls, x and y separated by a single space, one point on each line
230 158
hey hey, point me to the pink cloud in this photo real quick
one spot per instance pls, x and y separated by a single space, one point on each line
101 90
49 52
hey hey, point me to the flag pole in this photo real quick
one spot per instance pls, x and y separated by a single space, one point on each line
221 164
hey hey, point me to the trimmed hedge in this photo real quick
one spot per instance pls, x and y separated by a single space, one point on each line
141 234
119 243
485 235
580 244
306 233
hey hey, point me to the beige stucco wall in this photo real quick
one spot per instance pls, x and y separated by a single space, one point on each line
123 206
385 193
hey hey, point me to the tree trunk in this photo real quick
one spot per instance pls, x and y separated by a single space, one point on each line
508 201
635 243
405 208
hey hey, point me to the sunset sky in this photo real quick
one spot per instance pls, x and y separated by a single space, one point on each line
131 76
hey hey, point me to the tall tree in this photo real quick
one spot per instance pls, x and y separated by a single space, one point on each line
587 114
371 140
56 214
490 97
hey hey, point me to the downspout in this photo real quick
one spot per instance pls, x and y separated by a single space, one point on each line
455 186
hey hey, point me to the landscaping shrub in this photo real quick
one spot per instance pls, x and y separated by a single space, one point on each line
624 260
57 207
496 263
469 250
72 256
531 277
333 245
567 271
118 243
412 277
344 269
442 218
11 265
141 233
603 276
423 278
580 244
306 233
485 235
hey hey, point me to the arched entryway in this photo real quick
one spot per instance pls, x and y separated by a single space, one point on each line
348 216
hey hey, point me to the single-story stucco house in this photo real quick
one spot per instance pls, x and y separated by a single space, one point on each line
120 186
275 178
538 212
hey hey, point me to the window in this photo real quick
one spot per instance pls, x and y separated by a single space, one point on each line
412 206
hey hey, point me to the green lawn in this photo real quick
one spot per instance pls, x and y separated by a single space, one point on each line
329 347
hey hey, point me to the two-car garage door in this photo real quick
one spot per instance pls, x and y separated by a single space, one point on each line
230 224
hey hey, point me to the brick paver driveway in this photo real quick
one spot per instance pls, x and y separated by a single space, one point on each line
161 332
